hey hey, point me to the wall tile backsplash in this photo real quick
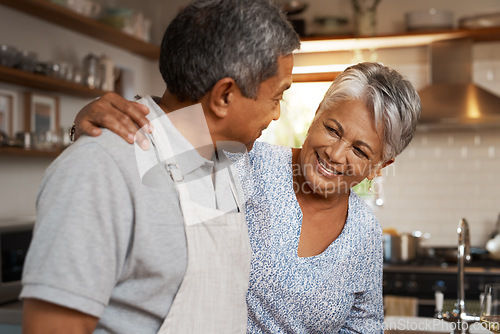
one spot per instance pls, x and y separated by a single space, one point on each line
440 178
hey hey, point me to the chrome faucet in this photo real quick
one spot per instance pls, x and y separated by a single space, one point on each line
459 315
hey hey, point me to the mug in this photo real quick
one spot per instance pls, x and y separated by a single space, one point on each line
28 61
493 247
9 56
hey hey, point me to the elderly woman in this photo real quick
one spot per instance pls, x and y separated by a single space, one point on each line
317 247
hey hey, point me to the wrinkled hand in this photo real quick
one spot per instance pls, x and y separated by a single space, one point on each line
115 113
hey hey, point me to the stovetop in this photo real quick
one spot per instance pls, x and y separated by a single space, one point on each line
480 264
472 268
424 276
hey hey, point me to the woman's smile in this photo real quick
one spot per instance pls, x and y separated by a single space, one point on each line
326 169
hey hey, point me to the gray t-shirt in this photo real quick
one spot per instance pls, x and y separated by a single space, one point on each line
104 243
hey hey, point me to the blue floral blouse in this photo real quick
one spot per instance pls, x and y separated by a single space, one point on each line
337 291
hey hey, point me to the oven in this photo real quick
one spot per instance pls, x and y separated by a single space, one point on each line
421 279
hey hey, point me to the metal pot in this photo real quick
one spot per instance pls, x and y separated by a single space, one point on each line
401 248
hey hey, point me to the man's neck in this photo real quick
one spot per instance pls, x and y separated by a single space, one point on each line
190 122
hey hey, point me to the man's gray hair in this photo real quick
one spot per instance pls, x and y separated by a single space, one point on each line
213 39
393 100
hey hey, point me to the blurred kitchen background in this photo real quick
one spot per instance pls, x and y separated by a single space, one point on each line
445 174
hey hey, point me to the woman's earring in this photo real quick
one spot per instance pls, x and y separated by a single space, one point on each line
370 186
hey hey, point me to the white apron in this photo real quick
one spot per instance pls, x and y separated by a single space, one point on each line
212 295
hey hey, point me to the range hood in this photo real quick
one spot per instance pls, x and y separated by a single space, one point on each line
452 99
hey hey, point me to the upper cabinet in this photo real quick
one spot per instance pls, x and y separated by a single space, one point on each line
66 18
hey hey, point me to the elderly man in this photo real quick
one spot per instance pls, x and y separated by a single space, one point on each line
133 241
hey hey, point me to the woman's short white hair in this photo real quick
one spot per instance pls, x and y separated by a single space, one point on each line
392 99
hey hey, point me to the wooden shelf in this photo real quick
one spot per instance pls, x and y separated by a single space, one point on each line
33 80
21 152
64 17
313 44
313 77
407 39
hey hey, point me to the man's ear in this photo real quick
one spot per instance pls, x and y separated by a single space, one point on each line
378 171
222 95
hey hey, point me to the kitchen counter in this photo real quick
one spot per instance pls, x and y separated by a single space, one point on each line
443 269
421 325
396 331
11 313
11 317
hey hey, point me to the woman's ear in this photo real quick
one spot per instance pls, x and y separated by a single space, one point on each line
378 171
221 96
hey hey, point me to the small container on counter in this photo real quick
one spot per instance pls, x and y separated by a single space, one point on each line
9 55
28 61
107 75
91 71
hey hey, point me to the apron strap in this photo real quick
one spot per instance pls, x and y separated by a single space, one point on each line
166 155
165 152
174 171
232 184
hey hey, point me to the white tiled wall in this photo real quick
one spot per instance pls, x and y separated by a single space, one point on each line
440 178
444 176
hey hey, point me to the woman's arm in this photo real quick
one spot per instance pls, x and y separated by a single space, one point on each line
367 314
113 112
